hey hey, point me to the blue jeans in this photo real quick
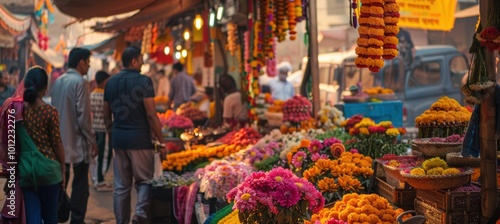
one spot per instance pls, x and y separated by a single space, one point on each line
42 204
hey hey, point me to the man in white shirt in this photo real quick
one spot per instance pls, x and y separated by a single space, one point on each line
281 89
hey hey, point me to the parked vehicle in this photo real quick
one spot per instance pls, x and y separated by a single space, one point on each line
437 71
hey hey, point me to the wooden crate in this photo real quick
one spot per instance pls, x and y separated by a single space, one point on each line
403 198
436 216
451 201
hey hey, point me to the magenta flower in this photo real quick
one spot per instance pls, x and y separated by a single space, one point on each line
245 200
279 174
329 142
354 151
315 146
298 159
286 194
316 156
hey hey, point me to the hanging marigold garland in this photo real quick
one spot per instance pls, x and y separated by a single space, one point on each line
232 38
377 32
281 22
364 35
391 19
291 19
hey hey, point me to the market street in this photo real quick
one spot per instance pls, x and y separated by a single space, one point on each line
100 204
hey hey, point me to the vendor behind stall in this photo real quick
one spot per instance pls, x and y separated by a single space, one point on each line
281 89
235 111
181 87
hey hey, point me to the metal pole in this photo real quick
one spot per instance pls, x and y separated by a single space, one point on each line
313 41
487 120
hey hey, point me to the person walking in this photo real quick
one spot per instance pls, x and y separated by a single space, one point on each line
235 111
129 100
39 140
70 95
102 135
181 87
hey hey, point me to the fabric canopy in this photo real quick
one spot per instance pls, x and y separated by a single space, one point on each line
468 12
162 9
86 9
49 56
13 23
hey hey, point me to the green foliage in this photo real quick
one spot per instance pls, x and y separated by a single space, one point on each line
293 215
267 164
337 133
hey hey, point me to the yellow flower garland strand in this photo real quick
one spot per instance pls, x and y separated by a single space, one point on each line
375 51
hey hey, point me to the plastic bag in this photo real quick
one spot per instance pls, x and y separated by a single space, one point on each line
158 170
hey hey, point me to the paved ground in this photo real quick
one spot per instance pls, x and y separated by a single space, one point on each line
100 204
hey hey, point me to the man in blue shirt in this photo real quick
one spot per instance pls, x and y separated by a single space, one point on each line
128 96
181 87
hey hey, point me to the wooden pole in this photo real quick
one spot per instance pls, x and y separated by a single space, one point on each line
313 57
488 128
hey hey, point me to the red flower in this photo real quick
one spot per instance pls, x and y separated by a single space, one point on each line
490 33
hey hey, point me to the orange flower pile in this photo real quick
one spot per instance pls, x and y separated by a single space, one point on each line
164 116
178 161
304 125
444 112
340 175
477 173
378 90
355 208
277 106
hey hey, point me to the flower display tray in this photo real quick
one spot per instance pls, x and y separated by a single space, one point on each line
456 159
435 215
393 174
434 149
451 201
402 198
438 181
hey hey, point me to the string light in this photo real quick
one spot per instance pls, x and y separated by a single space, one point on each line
178 47
184 53
220 10
211 21
167 50
187 35
178 55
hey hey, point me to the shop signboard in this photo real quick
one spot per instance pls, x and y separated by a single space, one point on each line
427 14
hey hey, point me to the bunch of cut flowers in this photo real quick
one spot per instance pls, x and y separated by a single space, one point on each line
350 173
220 176
277 196
376 140
304 155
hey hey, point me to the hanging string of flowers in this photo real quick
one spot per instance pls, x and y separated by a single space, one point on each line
232 38
375 51
291 20
391 19
246 40
364 35
146 39
281 22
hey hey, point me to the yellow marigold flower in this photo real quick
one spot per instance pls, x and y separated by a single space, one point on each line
435 171
417 172
434 162
364 131
385 124
392 132
327 184
475 174
451 171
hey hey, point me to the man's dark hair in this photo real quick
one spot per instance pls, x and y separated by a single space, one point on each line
227 82
178 66
13 69
101 76
76 55
129 54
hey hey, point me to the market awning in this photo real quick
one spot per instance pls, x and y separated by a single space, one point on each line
104 45
14 23
49 56
468 12
159 10
86 9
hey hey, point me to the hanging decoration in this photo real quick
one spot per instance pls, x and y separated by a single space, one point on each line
61 46
391 19
232 38
44 13
146 39
377 32
134 34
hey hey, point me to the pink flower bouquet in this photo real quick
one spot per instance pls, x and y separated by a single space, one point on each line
220 176
277 196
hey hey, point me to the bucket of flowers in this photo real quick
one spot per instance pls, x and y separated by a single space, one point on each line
277 196
375 140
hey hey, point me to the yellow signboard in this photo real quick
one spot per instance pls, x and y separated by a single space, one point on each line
427 14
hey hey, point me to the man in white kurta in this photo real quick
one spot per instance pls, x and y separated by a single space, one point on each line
281 89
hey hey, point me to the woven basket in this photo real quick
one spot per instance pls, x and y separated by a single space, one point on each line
393 174
435 182
433 149
456 159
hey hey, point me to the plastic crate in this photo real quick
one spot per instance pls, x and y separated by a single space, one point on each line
403 198
451 201
436 216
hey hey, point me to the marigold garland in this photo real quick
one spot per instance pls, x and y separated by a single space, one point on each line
377 33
